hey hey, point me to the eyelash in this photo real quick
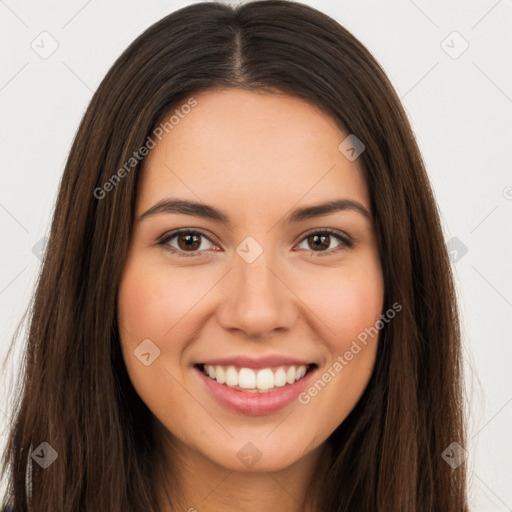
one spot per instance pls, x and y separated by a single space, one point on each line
346 243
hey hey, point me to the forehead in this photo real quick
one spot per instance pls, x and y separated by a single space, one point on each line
236 147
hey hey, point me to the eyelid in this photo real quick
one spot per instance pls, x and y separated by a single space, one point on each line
163 241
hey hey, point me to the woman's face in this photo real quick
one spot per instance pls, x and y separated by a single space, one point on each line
258 292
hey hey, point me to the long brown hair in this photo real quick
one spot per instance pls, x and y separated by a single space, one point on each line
75 391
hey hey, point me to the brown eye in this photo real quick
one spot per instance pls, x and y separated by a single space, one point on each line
188 243
320 242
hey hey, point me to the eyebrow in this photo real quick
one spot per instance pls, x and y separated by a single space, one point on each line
206 211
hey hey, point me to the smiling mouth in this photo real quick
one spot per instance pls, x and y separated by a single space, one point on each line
262 380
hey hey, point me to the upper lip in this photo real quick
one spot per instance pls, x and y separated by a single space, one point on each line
256 362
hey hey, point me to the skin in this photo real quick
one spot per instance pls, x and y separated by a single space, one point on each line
256 156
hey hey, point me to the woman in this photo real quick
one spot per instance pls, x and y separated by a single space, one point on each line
246 301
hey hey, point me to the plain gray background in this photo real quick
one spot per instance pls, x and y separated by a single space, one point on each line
451 65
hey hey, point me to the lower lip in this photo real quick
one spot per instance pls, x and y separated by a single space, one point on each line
246 402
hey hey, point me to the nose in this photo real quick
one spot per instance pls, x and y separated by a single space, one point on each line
257 300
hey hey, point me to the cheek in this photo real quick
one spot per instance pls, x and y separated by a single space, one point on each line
347 302
358 307
153 303
150 308
348 306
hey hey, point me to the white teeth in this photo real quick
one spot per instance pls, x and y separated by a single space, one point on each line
261 380
265 379
220 375
246 378
231 377
280 378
